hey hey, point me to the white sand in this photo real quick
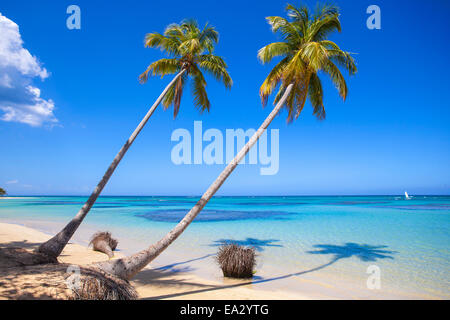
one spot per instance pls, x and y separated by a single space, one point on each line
150 284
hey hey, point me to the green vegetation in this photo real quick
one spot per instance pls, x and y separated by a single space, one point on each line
305 52
190 49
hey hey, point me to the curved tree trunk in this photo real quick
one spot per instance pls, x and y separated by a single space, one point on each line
55 245
127 267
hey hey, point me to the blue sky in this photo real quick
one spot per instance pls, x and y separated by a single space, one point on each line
391 134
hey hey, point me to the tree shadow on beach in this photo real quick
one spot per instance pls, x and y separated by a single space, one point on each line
363 252
25 244
163 276
258 244
171 266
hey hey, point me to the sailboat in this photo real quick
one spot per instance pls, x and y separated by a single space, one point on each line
407 197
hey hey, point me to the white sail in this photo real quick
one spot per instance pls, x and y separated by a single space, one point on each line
406 196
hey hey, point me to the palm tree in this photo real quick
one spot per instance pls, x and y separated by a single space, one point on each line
190 52
305 52
2 192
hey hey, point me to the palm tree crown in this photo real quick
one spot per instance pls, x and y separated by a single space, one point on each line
190 49
305 51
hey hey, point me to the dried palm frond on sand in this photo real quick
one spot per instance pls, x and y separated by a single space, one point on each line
58 281
236 261
103 242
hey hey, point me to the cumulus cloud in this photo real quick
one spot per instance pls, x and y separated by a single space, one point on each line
20 100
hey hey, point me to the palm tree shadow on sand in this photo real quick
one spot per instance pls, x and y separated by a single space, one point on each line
363 252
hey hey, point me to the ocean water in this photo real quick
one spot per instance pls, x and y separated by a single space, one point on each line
321 245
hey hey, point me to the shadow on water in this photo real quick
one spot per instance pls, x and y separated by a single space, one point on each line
251 242
363 252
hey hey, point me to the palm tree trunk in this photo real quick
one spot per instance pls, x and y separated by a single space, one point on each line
55 245
127 267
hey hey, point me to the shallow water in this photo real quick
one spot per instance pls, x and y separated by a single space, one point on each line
323 242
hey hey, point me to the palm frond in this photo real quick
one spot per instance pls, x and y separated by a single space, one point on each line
314 54
217 67
326 20
287 30
300 16
337 78
178 94
297 99
173 96
168 44
190 26
199 91
190 46
160 67
174 31
315 94
209 37
272 81
272 50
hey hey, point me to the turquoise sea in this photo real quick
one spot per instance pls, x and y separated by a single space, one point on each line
322 245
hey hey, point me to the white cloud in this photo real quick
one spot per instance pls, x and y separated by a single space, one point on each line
20 101
12 182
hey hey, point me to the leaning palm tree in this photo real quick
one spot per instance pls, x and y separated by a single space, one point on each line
191 52
305 53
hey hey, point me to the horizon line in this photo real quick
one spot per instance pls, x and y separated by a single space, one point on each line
221 196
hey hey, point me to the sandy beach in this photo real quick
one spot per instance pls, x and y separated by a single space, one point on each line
150 283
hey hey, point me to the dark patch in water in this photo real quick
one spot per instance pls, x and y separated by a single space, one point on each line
351 203
176 201
48 203
107 206
267 203
164 204
62 202
213 215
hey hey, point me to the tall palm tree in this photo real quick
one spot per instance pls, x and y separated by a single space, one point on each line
2 192
305 52
190 51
